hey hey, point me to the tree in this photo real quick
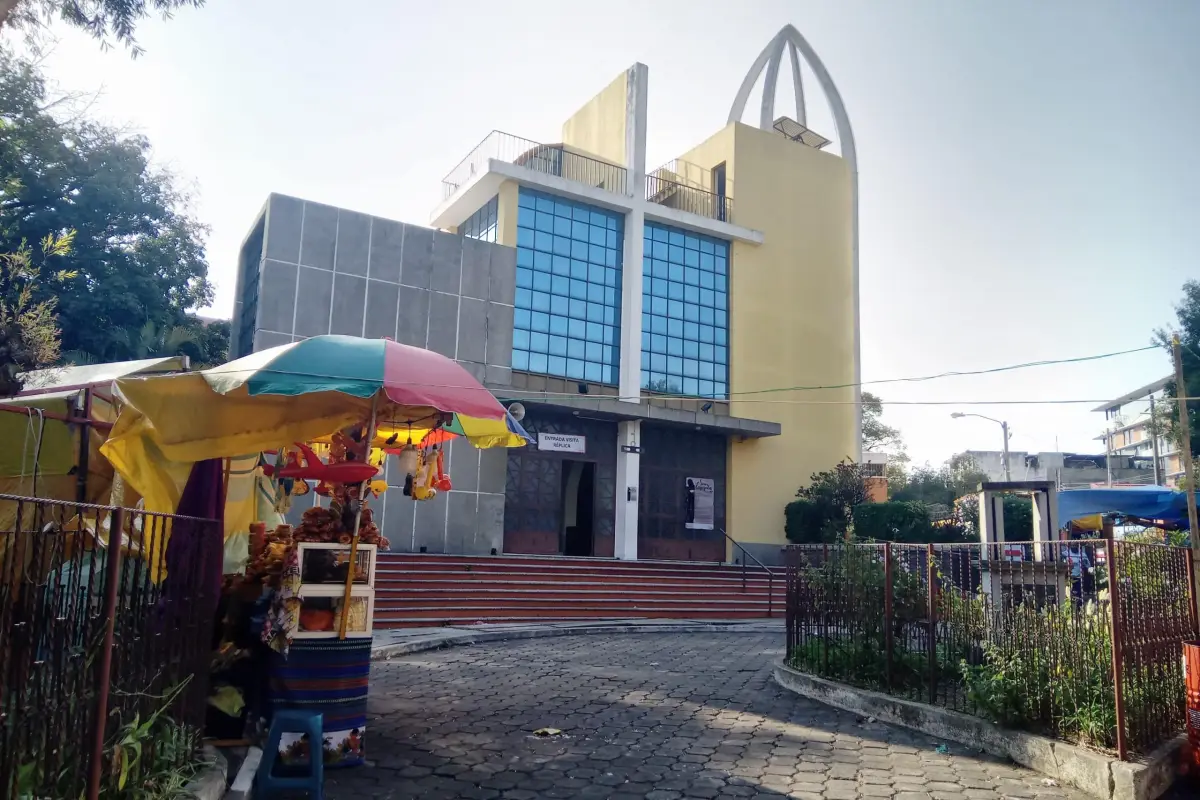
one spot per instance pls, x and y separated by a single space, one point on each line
212 342
205 342
1187 314
29 335
102 19
137 257
876 434
959 476
824 509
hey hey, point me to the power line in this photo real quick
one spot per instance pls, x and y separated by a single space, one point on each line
745 394
955 374
1055 401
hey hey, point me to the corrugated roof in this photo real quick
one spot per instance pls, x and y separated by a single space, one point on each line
62 379
1137 394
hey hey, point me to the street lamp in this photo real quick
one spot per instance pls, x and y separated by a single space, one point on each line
1003 426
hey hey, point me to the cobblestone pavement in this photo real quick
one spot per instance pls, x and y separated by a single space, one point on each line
654 716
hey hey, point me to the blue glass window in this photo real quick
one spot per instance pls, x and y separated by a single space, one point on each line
569 267
482 224
685 313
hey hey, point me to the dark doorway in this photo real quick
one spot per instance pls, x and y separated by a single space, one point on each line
578 505
718 185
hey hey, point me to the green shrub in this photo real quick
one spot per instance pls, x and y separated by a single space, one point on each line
1047 670
894 521
809 522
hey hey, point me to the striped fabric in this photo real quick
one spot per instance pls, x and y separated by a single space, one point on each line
329 676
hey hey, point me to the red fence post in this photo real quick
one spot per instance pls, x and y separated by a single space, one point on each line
888 644
790 600
1118 655
825 608
933 621
112 582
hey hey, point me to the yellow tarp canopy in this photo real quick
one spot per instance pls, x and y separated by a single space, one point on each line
169 423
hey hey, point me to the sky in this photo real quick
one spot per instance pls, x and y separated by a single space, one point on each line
1029 185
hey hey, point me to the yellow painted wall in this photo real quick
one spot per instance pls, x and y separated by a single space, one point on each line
599 127
791 318
506 214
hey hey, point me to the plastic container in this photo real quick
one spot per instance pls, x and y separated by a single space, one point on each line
1191 682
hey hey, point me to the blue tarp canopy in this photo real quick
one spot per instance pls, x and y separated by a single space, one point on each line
1143 502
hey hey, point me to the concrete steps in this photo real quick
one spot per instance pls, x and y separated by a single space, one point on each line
425 590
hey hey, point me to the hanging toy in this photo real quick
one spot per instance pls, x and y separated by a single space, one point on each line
423 481
442 482
316 469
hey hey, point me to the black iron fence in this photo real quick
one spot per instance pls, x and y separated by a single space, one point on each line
1076 640
105 643
552 159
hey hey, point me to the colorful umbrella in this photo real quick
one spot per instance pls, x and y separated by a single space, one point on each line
410 378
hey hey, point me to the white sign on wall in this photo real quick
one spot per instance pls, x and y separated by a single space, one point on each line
698 503
562 443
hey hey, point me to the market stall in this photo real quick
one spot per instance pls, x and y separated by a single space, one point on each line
326 412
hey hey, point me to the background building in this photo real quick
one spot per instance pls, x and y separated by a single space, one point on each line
1129 430
1068 470
646 319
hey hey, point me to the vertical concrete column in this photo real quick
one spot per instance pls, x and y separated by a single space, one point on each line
630 377
991 519
629 442
630 373
629 434
1045 523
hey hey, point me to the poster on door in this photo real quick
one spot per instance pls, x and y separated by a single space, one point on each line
698 503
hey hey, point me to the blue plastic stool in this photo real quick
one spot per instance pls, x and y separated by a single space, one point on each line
294 721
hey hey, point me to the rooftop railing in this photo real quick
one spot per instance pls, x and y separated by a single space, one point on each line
673 187
552 159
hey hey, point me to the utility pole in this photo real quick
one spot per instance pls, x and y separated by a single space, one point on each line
1007 465
1185 447
1108 437
1154 440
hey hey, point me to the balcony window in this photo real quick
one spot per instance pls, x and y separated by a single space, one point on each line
482 224
568 303
685 313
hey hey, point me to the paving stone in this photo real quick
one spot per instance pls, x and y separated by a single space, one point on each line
705 721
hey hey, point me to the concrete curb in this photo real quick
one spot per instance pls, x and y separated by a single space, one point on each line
459 637
1095 773
209 783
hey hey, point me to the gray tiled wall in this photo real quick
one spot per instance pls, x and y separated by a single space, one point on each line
328 270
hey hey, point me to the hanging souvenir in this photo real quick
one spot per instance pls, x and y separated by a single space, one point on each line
442 482
426 474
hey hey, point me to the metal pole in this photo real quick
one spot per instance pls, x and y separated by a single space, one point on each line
362 496
1185 447
825 609
1108 441
933 617
888 644
1116 630
1154 443
85 441
112 581
1007 465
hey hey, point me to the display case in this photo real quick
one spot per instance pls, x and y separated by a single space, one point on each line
323 569
326 564
321 610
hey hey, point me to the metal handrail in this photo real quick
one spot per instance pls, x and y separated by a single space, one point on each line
765 568
663 188
552 159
